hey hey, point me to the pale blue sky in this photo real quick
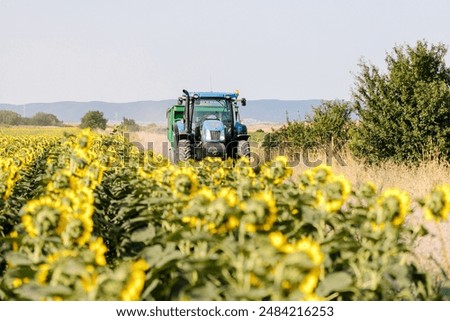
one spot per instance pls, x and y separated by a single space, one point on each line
129 50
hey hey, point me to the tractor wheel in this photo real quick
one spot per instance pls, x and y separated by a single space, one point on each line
184 150
243 149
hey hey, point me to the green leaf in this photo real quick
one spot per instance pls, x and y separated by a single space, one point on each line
17 259
144 235
334 282
32 291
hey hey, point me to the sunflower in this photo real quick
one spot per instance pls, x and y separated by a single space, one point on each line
396 204
184 182
262 206
437 203
278 170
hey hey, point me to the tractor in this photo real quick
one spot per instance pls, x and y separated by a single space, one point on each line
206 124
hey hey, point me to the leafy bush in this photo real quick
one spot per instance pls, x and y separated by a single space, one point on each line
405 112
327 129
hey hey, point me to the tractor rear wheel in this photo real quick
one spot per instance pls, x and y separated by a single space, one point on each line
243 149
184 150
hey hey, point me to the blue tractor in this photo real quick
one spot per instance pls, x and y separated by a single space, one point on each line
204 124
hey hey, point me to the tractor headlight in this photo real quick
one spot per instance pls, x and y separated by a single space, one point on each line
222 136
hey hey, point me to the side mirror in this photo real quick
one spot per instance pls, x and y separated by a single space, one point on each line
244 102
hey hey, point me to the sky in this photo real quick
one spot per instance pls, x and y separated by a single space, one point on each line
133 50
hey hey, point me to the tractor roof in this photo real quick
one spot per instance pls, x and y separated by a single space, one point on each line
212 94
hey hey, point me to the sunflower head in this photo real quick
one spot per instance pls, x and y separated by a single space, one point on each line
437 204
395 203
184 182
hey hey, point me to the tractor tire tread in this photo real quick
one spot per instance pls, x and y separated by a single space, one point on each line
243 149
184 150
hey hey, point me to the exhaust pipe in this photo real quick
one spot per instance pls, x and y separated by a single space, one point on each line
187 111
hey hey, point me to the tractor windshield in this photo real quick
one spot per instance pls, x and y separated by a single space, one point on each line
213 107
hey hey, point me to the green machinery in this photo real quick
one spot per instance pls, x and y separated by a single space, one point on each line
204 124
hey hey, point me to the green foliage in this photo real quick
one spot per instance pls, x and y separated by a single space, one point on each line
330 124
8 117
93 119
405 112
257 137
326 129
129 125
44 119
293 135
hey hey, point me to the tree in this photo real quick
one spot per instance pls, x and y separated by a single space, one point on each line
93 119
44 119
129 125
8 117
405 112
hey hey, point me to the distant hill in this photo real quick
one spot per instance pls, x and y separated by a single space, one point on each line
263 110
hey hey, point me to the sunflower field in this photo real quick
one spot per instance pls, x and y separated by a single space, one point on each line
90 217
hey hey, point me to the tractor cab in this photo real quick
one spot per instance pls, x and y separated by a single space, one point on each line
212 113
